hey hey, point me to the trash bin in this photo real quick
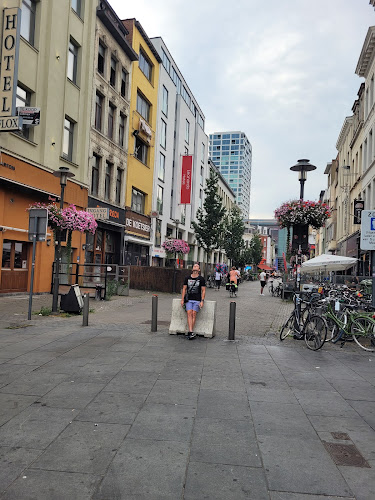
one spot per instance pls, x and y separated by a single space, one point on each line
72 301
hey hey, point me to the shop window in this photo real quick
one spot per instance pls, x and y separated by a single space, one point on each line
14 255
109 247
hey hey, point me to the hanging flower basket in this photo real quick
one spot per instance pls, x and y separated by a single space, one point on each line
180 247
221 268
295 212
68 218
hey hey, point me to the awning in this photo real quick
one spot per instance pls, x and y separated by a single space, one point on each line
26 188
265 267
139 241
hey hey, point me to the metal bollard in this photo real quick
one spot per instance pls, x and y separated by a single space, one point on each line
154 314
85 311
232 321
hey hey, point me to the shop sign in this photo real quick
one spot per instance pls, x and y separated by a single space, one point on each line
112 214
9 67
99 212
9 123
138 224
30 116
368 230
359 205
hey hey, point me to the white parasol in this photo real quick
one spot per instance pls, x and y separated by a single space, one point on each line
328 262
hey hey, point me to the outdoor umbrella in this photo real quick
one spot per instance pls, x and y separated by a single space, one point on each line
328 262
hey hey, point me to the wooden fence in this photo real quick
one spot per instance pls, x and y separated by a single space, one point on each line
160 279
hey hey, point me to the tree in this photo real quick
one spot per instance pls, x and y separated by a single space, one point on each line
233 232
246 257
256 249
208 228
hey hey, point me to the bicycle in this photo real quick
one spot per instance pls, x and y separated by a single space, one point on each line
232 288
313 331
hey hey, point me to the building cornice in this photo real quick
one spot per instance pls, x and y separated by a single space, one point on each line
367 53
344 132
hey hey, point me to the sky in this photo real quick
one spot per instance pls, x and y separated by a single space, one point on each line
281 71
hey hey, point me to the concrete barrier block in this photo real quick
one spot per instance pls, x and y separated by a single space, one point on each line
205 324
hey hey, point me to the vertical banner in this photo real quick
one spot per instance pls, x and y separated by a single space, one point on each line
9 61
187 164
285 264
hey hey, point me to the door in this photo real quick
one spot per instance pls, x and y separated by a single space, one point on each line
14 266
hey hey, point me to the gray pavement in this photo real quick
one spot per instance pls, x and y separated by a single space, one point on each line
113 411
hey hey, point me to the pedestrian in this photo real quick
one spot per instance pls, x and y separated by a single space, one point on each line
193 294
218 278
262 278
234 275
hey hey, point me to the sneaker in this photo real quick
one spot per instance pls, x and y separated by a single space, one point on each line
191 335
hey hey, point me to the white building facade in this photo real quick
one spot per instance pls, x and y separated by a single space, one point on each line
179 132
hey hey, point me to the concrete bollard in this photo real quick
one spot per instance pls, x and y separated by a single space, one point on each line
154 314
232 321
85 312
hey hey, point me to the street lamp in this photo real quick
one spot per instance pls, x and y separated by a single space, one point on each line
177 222
302 167
63 173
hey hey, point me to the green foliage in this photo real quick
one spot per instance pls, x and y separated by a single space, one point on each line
111 290
256 249
209 226
234 229
246 257
44 311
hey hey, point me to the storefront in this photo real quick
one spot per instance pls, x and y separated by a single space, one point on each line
106 245
21 185
137 239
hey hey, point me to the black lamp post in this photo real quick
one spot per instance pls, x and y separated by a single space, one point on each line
302 167
63 173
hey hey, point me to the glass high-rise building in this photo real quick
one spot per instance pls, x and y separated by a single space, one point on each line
231 152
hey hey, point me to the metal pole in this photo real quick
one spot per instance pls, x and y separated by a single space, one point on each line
302 181
32 269
55 298
232 320
154 314
373 276
86 301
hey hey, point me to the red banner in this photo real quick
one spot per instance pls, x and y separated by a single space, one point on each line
187 164
285 264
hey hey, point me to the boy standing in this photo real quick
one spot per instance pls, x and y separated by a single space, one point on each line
194 289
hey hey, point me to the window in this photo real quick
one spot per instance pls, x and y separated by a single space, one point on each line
98 111
68 139
101 58
138 201
121 130
158 233
112 78
72 62
76 6
119 185
161 169
159 200
145 65
143 107
28 20
163 135
141 150
186 96
166 61
200 198
186 151
95 175
107 179
23 98
164 104
14 255
202 176
124 79
203 152
111 118
187 131
183 214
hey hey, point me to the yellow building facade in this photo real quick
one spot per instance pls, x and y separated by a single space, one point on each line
141 144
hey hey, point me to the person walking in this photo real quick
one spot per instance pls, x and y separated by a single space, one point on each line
262 278
193 294
218 278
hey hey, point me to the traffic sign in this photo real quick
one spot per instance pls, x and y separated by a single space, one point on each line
368 230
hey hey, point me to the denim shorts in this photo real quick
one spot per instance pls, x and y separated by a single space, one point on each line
193 305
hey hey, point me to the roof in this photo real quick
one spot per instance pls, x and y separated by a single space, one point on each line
265 267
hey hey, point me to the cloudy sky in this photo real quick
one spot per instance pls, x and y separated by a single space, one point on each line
282 71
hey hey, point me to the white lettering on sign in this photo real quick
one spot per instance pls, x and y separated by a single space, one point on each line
137 224
9 62
99 212
368 230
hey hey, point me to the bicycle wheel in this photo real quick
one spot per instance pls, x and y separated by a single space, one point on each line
363 332
315 332
334 331
288 328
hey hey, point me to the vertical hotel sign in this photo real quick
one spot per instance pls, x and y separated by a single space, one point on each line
187 163
9 69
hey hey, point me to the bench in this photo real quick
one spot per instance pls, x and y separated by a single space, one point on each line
205 324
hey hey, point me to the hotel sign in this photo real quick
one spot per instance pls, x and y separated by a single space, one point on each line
9 69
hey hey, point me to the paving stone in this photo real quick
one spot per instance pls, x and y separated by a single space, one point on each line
34 384
174 392
112 408
146 469
10 372
132 382
366 409
144 365
223 482
308 381
282 495
161 427
12 404
358 390
223 405
83 447
72 394
257 392
94 372
12 462
225 442
175 410
35 427
323 403
360 480
48 485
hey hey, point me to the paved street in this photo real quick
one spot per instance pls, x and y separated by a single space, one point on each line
113 411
